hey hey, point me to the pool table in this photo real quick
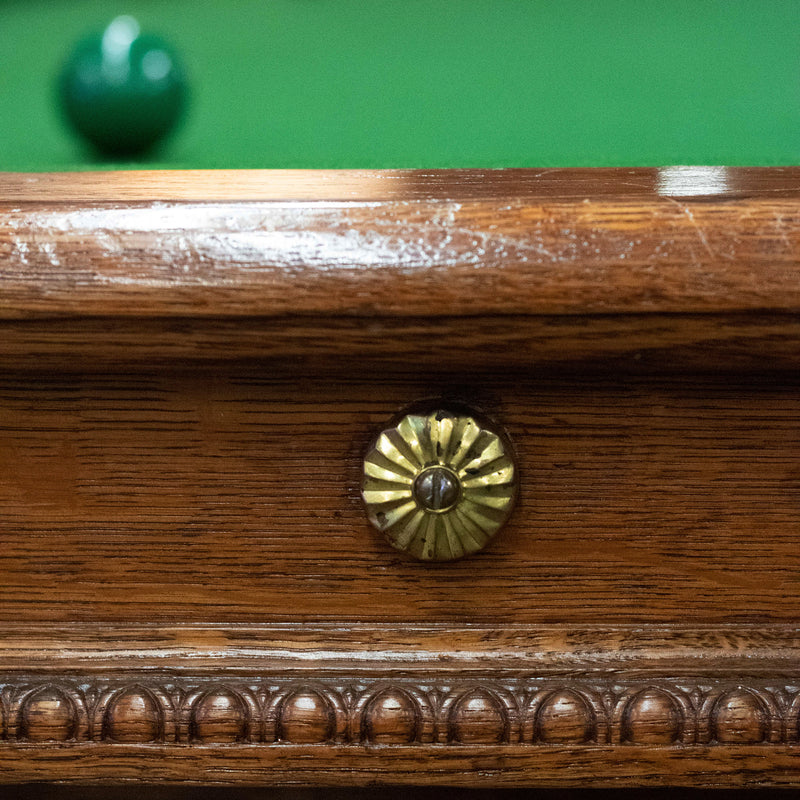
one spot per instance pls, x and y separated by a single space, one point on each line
379 224
491 83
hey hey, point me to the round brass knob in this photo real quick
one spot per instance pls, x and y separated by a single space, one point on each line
439 485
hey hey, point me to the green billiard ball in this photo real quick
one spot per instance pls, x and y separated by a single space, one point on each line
123 90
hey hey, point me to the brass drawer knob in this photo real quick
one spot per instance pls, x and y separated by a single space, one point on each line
439 485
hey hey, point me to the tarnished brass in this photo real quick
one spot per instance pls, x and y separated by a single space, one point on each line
439 485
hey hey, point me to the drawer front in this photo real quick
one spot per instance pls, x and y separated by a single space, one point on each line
234 496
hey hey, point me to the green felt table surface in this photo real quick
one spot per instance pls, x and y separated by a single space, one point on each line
432 83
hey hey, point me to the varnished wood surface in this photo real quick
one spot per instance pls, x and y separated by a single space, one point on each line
719 652
349 706
515 246
388 184
471 765
154 792
193 365
439 348
352 706
71 792
40 791
189 497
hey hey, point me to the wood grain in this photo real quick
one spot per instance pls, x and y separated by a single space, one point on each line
637 653
235 497
609 250
438 348
192 366
346 765
392 184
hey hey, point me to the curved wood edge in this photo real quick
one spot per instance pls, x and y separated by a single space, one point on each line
459 244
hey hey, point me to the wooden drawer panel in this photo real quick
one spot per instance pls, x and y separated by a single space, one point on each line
234 496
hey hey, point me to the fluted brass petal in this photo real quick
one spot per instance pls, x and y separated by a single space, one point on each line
498 475
497 500
491 451
468 433
379 497
389 475
454 540
441 435
439 485
406 448
389 449
391 518
412 434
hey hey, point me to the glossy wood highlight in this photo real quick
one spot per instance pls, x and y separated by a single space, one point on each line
600 247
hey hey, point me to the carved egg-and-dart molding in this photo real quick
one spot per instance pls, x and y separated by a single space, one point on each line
534 711
439 485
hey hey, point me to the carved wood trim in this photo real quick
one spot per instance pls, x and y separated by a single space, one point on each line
400 710
329 705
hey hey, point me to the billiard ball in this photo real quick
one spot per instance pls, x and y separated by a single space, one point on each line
122 90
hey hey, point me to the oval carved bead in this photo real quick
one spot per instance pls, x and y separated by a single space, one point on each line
565 718
133 716
477 718
391 717
306 717
652 717
48 715
220 716
739 718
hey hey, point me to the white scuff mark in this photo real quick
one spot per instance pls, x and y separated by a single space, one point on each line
200 239
781 228
49 250
702 235
687 212
21 249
